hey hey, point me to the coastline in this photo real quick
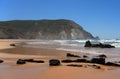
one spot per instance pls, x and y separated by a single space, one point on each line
42 70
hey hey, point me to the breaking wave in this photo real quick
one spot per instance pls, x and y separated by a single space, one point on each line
76 46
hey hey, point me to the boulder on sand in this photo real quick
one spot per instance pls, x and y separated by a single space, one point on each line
75 65
32 60
54 62
38 61
12 45
20 61
80 60
28 60
98 60
67 61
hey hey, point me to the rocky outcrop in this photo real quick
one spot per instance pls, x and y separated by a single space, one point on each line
43 29
100 45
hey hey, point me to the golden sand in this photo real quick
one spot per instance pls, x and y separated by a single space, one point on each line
10 70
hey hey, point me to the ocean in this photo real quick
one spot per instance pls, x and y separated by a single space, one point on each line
78 46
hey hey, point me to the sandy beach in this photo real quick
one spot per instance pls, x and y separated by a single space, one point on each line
10 70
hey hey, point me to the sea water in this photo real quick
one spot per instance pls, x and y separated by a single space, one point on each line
78 46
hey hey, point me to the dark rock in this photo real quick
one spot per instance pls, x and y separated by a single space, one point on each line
80 60
12 45
100 45
98 60
32 60
67 61
38 61
20 61
96 67
1 61
109 63
112 64
106 46
54 62
85 56
72 55
28 60
102 56
75 65
87 44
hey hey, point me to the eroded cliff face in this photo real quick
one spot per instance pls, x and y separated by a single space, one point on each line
43 29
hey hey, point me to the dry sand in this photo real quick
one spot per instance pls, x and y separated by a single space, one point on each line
10 70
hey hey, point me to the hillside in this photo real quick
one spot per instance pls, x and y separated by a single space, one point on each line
42 29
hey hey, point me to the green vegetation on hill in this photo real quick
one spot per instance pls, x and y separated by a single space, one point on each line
43 29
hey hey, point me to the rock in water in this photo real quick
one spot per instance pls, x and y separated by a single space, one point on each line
54 62
100 45
88 44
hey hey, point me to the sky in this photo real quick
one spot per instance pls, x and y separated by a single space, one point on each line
99 17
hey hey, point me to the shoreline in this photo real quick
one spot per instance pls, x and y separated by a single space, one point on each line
43 70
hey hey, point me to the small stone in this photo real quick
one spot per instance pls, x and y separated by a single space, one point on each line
96 67
85 56
12 45
20 61
1 61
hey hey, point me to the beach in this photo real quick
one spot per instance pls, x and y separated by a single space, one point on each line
10 70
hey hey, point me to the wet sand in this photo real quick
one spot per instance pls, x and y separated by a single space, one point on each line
10 70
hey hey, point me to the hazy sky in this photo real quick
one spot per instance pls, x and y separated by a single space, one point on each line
99 17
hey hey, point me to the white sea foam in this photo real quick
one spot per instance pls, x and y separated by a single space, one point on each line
80 50
113 42
75 45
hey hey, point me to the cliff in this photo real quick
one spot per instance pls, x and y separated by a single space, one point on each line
42 29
